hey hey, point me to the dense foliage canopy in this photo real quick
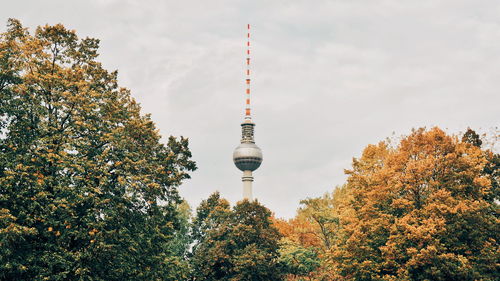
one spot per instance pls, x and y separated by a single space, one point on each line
87 189
426 209
234 244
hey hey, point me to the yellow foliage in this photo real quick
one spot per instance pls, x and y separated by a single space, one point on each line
409 203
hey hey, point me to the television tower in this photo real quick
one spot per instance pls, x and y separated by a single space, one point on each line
247 156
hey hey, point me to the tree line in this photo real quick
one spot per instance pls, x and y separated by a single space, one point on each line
88 191
423 209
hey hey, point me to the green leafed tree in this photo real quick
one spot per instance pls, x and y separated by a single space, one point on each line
210 215
297 261
87 189
237 244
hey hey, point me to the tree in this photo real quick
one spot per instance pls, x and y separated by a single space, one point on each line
87 189
315 229
210 215
237 244
420 211
492 168
297 261
320 213
181 241
470 136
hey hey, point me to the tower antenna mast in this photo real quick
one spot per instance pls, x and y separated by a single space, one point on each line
247 109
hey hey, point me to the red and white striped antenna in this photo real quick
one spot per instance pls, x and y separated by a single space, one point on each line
247 108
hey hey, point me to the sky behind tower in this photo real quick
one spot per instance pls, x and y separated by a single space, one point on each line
329 77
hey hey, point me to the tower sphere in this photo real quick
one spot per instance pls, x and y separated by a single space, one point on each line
247 156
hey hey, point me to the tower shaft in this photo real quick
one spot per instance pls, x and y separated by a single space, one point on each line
247 185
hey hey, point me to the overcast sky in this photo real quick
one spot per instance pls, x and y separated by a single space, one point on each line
329 78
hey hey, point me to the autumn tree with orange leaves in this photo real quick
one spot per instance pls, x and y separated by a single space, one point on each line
420 211
425 209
